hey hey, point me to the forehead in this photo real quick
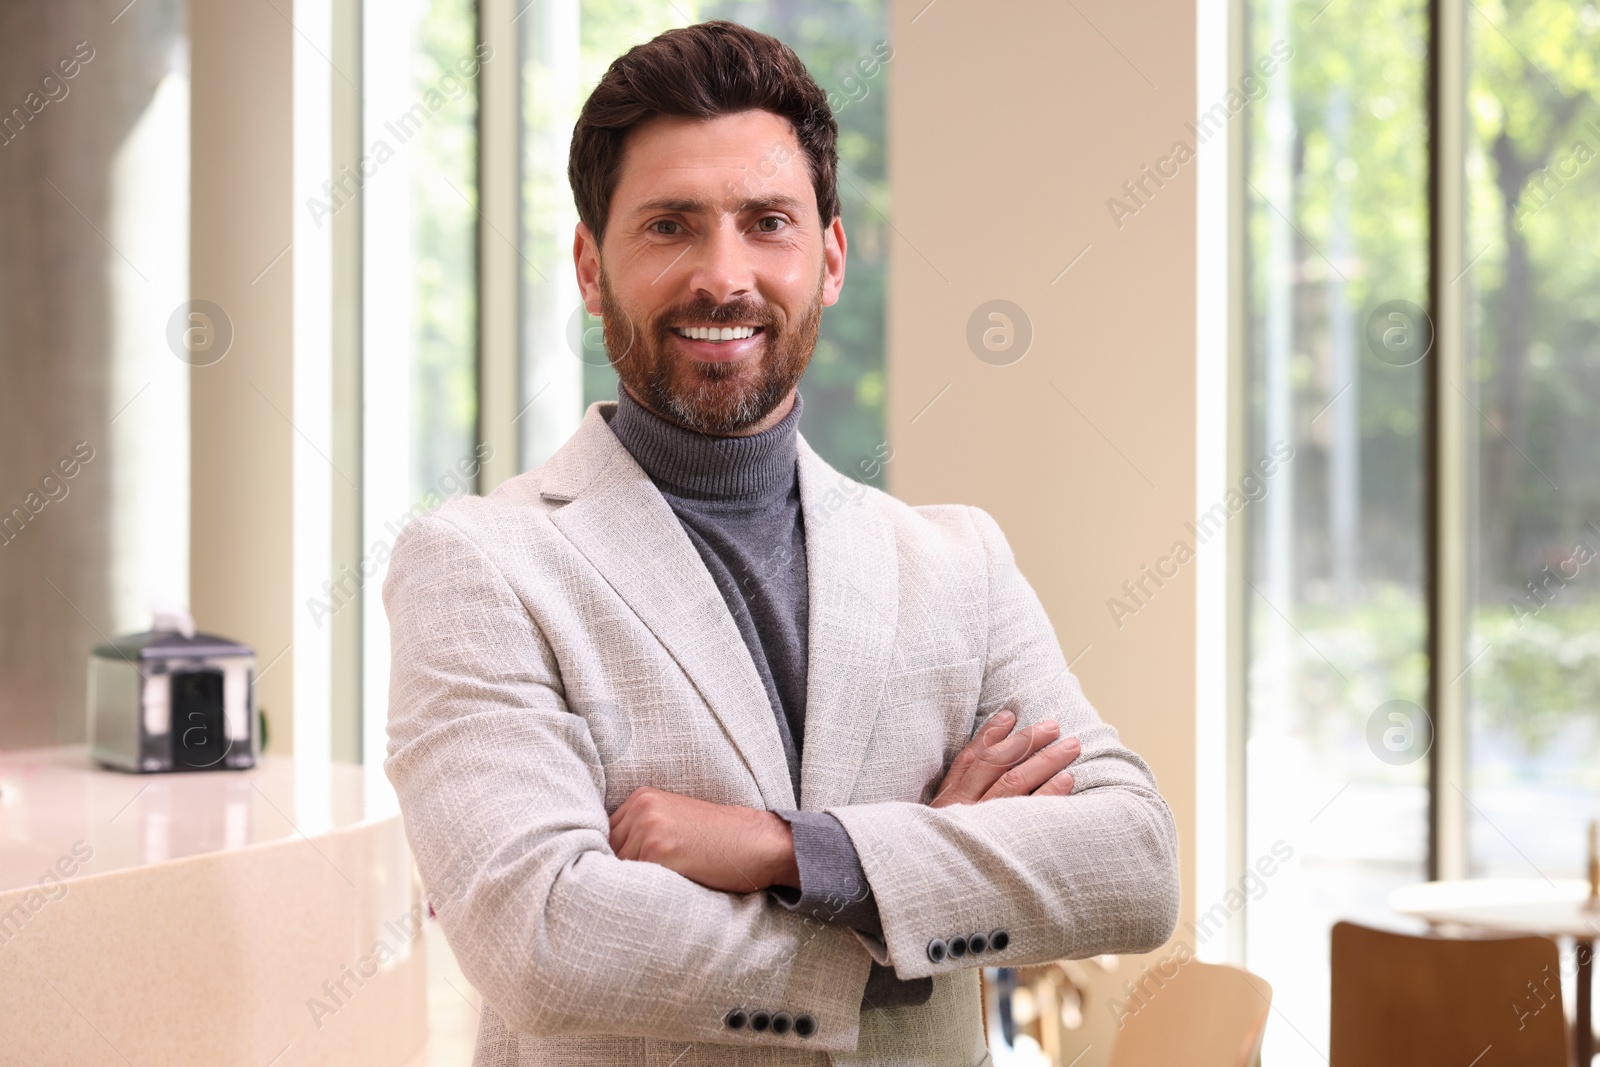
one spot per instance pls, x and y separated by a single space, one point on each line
725 159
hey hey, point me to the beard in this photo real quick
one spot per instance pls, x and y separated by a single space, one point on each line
719 399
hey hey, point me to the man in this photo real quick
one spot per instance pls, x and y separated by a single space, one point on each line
708 754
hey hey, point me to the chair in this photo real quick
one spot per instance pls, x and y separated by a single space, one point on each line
1061 1006
1206 1015
1404 1001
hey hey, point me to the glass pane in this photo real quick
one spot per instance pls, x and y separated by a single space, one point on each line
1336 250
444 221
1533 383
567 45
419 261
418 182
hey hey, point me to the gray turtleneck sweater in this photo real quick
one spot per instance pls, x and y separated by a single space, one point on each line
738 499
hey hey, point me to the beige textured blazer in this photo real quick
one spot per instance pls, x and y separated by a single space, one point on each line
559 643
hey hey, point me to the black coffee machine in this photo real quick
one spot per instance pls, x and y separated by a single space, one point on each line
165 700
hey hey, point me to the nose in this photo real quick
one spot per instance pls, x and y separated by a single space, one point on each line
722 269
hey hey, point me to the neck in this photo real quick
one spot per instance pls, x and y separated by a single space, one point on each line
751 466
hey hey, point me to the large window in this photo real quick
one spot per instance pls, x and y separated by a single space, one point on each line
1339 289
1335 611
1532 238
421 61
567 45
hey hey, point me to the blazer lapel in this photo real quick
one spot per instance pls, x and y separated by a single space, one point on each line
854 593
623 526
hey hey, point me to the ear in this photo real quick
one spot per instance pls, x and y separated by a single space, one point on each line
833 257
586 258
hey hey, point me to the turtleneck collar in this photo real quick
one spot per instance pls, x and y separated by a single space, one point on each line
700 466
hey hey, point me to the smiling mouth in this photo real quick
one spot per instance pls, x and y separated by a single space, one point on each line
716 334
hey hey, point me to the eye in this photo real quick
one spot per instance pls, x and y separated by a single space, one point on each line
770 224
665 227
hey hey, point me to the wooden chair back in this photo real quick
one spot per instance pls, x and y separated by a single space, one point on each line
1206 1015
1405 1001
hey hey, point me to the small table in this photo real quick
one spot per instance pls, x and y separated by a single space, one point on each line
1519 906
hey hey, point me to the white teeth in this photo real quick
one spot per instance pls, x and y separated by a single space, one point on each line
715 334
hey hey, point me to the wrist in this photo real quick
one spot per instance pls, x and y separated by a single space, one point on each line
779 865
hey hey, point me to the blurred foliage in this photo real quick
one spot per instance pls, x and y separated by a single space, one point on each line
1533 669
444 176
1370 178
1356 148
1537 673
1369 654
837 39
1354 153
1534 96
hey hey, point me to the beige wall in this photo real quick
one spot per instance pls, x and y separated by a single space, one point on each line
84 296
60 365
243 444
1011 124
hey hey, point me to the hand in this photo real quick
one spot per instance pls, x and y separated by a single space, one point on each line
720 846
999 763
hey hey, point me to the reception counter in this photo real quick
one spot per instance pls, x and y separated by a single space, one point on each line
219 918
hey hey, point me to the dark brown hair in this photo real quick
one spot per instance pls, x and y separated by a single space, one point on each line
701 71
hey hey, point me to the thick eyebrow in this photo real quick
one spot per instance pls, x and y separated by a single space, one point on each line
690 206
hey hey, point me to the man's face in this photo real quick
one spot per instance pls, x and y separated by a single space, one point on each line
713 233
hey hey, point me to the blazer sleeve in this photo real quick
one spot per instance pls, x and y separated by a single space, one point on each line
833 888
1036 878
502 794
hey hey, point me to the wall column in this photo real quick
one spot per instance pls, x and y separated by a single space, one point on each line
242 261
1042 345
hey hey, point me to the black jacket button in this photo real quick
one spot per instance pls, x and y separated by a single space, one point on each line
936 950
977 944
805 1025
759 1021
735 1019
999 940
957 947
781 1023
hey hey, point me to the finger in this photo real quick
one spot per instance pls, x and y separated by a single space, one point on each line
629 839
624 808
623 813
957 786
990 734
993 760
1059 786
1018 747
619 841
624 821
1037 769
998 726
641 800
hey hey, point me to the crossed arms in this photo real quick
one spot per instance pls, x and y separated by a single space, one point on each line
737 849
554 919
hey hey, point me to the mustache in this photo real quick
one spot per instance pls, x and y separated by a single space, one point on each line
709 311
